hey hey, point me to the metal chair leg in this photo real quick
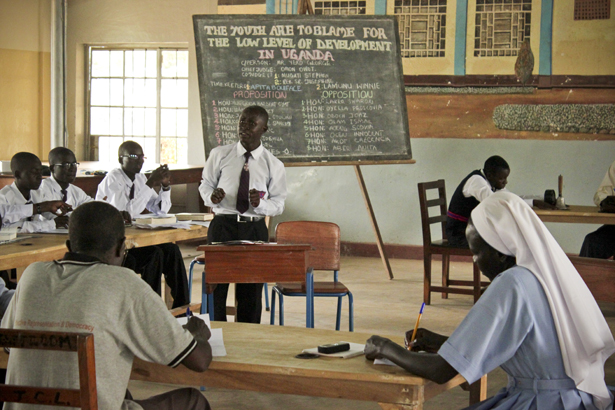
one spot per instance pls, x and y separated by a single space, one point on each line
272 314
266 296
350 312
339 313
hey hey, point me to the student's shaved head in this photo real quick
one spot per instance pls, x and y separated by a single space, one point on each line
127 147
95 227
23 160
56 155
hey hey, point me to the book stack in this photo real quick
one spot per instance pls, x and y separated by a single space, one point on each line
156 220
194 217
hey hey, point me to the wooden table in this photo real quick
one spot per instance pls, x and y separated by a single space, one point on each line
46 247
260 263
576 214
262 358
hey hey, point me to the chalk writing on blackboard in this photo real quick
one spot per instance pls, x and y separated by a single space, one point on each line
333 87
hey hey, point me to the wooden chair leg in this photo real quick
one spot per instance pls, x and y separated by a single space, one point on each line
476 282
427 278
446 263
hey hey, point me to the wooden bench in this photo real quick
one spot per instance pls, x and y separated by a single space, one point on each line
599 275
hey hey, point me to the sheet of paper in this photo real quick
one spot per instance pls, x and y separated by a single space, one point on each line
356 349
385 362
57 231
202 223
216 341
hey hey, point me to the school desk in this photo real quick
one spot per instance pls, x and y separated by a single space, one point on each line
262 358
258 263
576 214
46 247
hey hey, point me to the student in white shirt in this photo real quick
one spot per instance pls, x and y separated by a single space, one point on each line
59 185
601 243
27 170
131 192
240 213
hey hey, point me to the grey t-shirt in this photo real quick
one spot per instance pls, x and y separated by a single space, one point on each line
125 315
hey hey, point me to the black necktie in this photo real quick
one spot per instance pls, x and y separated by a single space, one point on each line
243 193
64 195
131 196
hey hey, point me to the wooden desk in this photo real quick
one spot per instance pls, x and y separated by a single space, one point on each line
576 214
47 247
258 264
180 174
262 358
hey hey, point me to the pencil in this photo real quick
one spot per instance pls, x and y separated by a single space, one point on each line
416 326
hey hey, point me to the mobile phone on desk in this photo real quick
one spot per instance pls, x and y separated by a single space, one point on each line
334 348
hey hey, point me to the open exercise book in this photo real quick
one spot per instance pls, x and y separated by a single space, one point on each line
216 341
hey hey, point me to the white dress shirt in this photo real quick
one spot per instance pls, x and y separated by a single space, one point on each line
607 187
223 170
115 189
480 188
16 218
50 190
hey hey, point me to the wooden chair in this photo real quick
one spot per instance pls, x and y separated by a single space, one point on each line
325 255
441 247
82 343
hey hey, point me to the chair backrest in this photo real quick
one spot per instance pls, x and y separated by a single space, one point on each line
323 236
425 204
82 343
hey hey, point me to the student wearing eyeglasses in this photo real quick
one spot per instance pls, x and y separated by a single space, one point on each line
131 192
59 186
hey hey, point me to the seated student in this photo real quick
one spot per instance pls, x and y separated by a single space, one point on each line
601 243
27 170
59 185
131 192
88 290
475 187
537 320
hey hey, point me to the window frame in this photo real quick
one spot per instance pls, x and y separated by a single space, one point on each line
159 47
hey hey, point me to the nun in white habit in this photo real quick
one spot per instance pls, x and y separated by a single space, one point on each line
537 320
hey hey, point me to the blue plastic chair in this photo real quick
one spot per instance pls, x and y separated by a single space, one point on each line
325 255
199 260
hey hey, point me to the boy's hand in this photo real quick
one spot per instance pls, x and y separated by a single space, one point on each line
55 207
198 328
61 222
218 195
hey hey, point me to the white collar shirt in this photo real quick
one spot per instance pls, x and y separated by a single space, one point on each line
223 170
50 190
607 187
18 217
115 189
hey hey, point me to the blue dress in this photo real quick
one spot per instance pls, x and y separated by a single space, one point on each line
511 326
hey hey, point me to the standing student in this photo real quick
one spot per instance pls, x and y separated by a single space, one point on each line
28 172
537 320
89 291
601 243
243 183
131 192
59 185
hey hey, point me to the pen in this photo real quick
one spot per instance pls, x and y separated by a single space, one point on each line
188 312
416 326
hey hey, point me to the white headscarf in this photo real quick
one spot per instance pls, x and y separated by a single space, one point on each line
510 226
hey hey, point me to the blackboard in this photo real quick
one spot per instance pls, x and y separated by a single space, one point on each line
333 85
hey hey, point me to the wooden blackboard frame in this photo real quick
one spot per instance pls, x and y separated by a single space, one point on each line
347 159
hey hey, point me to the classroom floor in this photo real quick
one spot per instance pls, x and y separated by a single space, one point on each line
370 285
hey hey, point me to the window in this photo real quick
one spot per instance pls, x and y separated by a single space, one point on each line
592 9
140 95
422 27
339 7
501 27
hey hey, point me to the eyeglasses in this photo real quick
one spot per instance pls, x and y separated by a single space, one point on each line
67 165
134 157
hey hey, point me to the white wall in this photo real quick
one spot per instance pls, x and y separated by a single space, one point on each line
332 193
131 21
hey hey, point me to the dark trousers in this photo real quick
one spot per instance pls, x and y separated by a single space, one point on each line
456 232
248 295
154 261
599 244
182 399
